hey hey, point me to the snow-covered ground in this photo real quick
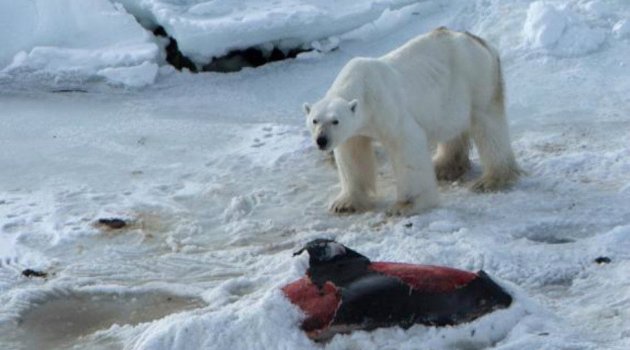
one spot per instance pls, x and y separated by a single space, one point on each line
220 182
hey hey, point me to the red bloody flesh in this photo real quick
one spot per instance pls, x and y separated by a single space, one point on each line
319 306
425 278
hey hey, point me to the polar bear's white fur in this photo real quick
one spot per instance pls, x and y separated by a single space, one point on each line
440 88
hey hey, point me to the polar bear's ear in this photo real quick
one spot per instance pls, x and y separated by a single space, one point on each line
307 108
353 105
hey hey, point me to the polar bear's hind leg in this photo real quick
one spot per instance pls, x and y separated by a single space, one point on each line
489 131
451 160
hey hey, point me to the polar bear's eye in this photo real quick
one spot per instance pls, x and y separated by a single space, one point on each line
314 121
335 122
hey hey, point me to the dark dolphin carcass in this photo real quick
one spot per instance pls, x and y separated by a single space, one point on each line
343 291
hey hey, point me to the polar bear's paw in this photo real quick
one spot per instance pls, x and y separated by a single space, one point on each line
498 180
416 205
491 184
451 171
345 204
402 208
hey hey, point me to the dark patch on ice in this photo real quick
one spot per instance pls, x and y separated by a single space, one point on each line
550 239
554 233
236 60
602 260
112 223
408 225
233 61
173 56
65 319
34 273
69 90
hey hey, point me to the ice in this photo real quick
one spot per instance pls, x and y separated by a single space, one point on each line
107 40
206 29
54 318
560 31
599 7
70 40
622 29
17 18
544 25
219 181
134 76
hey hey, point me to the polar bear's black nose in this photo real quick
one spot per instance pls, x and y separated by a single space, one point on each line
322 141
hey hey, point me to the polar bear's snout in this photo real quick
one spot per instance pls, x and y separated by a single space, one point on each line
322 142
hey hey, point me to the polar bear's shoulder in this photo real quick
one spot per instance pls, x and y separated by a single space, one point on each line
364 64
361 69
444 34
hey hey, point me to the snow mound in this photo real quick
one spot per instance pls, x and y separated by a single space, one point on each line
560 31
75 40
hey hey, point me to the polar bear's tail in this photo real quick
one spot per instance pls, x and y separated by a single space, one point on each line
499 94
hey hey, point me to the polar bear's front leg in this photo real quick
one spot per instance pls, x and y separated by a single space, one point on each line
416 185
357 174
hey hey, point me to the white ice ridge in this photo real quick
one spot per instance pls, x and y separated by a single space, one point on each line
82 40
72 38
561 31
205 29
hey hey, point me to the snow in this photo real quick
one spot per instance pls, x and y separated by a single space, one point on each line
621 29
71 40
206 29
135 76
560 31
219 182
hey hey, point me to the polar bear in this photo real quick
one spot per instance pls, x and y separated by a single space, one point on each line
438 89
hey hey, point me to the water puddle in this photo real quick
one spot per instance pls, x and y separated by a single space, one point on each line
61 319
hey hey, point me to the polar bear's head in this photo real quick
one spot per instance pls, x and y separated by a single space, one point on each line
332 121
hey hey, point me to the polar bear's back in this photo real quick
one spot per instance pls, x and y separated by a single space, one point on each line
455 49
443 66
443 62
